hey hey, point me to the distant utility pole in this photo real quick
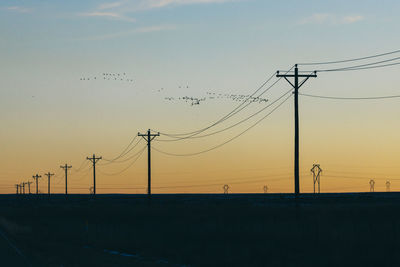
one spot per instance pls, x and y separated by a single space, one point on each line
148 137
36 177
29 186
17 186
94 160
296 87
23 188
265 189
226 189
372 185
387 186
316 171
48 179
66 167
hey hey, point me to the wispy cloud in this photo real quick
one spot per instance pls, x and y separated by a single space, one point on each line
163 3
109 5
109 15
352 19
139 30
19 9
323 18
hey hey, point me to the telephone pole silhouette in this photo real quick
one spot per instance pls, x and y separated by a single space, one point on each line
148 137
296 87
372 185
66 167
387 186
36 177
23 187
316 171
48 179
94 160
17 186
29 186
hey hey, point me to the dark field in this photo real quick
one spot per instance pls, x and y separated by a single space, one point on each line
198 230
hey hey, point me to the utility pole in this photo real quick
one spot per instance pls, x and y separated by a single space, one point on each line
17 186
48 179
66 167
148 137
29 187
36 177
23 188
316 171
372 185
94 160
296 87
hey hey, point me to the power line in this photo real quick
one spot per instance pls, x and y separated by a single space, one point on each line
124 152
350 60
364 66
351 98
130 165
228 141
124 160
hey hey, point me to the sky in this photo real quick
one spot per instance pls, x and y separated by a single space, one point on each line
54 112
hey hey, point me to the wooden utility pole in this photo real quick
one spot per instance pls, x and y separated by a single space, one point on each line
66 167
36 177
94 160
48 179
148 137
296 87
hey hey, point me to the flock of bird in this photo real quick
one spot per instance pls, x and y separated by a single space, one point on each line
210 96
109 77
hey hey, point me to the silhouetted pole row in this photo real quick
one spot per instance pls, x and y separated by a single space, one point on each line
316 171
36 177
296 87
66 167
48 180
148 137
94 160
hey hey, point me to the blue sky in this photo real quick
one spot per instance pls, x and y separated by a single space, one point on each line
226 46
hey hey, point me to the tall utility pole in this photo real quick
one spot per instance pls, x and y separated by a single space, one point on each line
17 186
66 167
29 186
94 160
296 87
316 171
23 188
36 177
48 179
148 137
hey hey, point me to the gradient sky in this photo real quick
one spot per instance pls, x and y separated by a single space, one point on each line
49 116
